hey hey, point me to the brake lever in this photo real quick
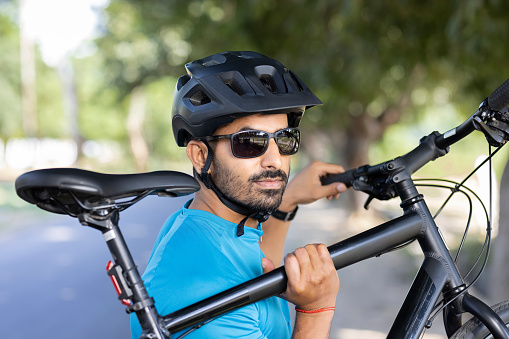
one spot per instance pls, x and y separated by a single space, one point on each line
492 135
496 128
368 201
360 180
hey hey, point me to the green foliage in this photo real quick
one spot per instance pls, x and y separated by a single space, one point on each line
10 82
102 115
51 118
370 62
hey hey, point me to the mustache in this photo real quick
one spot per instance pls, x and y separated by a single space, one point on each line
276 174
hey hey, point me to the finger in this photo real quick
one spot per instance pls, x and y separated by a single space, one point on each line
314 257
330 197
304 259
333 189
328 168
292 267
323 253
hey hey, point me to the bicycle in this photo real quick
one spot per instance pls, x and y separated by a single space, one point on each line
96 199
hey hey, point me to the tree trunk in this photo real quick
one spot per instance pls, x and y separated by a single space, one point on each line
137 142
28 76
66 73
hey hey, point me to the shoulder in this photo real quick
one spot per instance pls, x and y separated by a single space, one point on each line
190 263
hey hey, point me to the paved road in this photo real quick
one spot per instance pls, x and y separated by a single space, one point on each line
371 292
53 282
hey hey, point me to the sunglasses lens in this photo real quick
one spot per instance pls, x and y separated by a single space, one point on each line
249 144
288 141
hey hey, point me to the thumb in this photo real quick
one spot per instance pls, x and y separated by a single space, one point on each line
267 265
334 190
337 187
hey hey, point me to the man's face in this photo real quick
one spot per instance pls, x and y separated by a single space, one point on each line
258 182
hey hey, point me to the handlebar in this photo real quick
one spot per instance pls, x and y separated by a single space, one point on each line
499 99
379 181
346 177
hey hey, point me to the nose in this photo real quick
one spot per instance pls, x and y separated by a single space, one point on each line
272 158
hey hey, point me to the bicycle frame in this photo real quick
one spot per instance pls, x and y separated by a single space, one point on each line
437 275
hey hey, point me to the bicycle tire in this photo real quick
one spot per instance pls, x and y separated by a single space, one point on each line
474 329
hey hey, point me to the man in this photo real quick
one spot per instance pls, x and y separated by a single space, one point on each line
237 114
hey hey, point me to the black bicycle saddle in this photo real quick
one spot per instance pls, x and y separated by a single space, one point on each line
72 191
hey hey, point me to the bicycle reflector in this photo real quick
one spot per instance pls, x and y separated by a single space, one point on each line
119 283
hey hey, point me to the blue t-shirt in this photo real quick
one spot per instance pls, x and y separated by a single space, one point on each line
198 254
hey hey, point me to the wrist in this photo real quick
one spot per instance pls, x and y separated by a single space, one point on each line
289 201
283 215
318 310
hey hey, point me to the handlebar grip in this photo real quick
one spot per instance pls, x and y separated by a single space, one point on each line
499 99
345 177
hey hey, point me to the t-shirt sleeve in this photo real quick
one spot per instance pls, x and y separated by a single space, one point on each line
184 271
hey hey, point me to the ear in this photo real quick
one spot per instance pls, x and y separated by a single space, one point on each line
197 153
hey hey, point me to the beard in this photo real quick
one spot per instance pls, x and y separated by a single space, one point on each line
248 194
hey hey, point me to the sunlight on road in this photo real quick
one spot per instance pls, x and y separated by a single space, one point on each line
59 234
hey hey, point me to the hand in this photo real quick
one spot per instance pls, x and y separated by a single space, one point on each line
306 186
313 282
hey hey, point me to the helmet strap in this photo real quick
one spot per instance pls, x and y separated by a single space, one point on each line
237 207
204 175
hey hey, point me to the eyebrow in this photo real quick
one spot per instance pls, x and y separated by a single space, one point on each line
248 128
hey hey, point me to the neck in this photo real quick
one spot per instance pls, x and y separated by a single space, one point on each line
206 200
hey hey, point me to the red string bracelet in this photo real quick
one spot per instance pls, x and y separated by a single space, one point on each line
316 311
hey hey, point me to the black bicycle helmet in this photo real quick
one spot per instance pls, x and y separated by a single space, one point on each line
222 87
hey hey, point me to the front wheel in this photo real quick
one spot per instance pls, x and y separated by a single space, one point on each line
474 329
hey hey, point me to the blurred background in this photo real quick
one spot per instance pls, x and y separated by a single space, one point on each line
89 84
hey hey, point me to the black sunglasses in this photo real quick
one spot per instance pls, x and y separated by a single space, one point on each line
253 143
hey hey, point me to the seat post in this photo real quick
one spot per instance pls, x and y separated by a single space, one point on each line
128 279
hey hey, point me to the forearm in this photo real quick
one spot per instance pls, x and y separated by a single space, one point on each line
304 188
312 325
275 232
273 240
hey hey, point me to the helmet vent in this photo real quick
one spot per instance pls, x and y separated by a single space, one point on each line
235 86
199 98
296 80
212 62
268 81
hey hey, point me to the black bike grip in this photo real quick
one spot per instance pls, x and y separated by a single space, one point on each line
499 99
345 177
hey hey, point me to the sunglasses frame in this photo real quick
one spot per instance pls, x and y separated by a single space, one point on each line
293 131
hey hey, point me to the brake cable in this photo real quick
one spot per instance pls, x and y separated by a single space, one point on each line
487 242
